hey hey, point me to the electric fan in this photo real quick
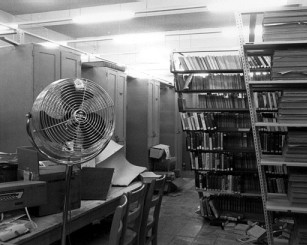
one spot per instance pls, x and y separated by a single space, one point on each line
71 122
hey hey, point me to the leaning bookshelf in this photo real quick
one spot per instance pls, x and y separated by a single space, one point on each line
280 136
215 117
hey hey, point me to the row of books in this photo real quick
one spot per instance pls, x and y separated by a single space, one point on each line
209 62
227 183
293 106
232 120
210 81
205 141
214 121
209 161
266 100
297 185
259 61
272 142
270 117
223 101
289 64
276 185
218 140
197 121
260 76
228 207
285 25
276 170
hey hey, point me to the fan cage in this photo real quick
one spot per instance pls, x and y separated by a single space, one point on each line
72 120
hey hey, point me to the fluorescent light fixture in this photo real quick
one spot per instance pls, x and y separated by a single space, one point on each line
49 44
244 5
139 38
104 17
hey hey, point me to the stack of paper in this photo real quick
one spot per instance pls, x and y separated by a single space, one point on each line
292 107
297 191
289 64
285 25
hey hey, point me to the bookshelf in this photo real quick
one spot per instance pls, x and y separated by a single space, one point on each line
284 123
214 114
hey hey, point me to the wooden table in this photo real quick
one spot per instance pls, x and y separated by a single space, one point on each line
50 227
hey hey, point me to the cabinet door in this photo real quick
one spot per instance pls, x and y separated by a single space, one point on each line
120 109
156 113
153 112
70 65
46 67
112 78
150 115
16 95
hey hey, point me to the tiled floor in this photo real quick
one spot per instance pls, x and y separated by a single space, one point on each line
179 224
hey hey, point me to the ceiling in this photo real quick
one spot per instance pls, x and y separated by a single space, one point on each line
181 20
19 7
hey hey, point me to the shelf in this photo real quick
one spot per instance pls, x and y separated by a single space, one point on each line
226 150
275 160
215 110
208 71
228 193
280 202
187 91
278 82
274 45
273 85
234 172
221 130
271 124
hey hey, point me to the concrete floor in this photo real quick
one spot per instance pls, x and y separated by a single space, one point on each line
178 225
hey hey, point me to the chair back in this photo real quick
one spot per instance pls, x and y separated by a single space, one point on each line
119 222
152 206
134 214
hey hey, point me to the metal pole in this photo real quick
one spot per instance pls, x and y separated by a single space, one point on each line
69 168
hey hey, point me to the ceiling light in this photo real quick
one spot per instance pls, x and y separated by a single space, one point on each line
139 38
103 17
245 5
49 44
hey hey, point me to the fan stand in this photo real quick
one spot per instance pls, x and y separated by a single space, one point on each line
69 168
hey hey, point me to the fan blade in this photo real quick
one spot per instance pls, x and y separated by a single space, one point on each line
92 129
72 97
58 130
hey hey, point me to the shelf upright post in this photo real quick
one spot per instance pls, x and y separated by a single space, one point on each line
253 116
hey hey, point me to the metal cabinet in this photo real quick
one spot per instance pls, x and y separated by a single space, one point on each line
143 118
24 71
114 82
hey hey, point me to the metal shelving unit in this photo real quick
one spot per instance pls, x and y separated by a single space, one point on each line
185 109
272 202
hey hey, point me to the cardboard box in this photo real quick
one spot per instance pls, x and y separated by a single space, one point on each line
159 151
54 175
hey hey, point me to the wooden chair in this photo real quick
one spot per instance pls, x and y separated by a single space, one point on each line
110 233
119 223
134 216
151 212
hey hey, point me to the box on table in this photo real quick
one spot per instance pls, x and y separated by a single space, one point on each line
54 175
160 158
